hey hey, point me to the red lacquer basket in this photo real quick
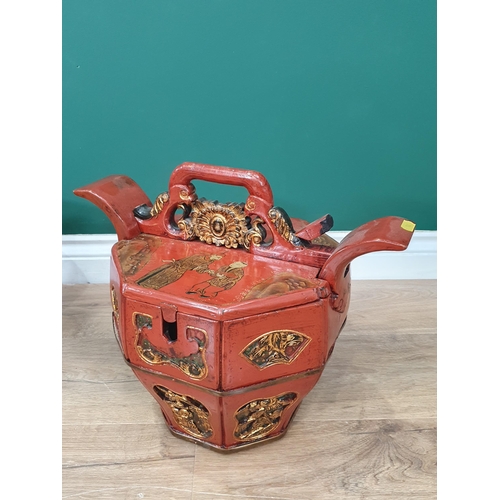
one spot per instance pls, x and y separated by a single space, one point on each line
227 312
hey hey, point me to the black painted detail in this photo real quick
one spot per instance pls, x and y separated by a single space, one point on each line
343 324
295 240
170 331
143 212
285 216
346 272
326 223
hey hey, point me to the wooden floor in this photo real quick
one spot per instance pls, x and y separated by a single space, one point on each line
366 431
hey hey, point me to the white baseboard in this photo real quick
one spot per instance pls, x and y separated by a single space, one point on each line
85 259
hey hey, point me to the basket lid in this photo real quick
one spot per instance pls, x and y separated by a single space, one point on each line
213 281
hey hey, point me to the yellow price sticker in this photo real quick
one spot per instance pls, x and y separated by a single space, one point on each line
408 225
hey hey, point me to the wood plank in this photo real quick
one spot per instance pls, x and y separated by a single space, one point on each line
94 359
392 306
329 460
103 445
105 403
86 311
125 461
125 483
375 376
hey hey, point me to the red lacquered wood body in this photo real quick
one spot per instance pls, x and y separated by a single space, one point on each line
227 313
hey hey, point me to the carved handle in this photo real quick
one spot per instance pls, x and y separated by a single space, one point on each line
231 225
254 182
257 225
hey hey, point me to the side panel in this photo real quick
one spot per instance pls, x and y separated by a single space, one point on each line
117 307
186 349
188 410
264 347
265 412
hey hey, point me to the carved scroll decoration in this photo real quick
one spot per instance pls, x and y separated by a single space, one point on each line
279 347
258 418
160 201
215 223
256 234
184 223
221 224
194 365
115 316
114 303
144 212
190 414
284 225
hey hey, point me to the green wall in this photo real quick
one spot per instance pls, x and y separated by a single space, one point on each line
334 101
